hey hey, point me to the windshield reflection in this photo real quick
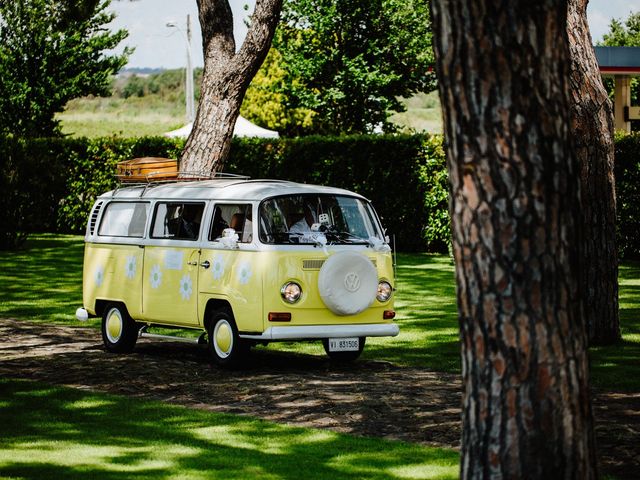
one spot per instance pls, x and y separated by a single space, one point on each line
317 219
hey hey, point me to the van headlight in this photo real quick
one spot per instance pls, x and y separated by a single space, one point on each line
291 292
384 291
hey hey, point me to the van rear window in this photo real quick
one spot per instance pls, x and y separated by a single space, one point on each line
122 219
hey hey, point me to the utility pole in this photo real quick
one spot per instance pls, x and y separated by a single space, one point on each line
189 93
188 83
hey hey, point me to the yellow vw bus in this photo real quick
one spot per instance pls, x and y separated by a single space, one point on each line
245 261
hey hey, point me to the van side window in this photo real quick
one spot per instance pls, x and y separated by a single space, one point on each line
124 219
236 216
177 220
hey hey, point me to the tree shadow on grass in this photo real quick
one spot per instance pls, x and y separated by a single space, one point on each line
51 432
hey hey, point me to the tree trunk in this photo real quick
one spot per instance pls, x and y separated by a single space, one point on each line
503 70
226 76
593 133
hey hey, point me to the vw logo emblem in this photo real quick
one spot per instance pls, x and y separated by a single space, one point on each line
352 282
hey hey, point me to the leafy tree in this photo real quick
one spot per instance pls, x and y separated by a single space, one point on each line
625 34
52 51
267 104
503 73
134 87
349 61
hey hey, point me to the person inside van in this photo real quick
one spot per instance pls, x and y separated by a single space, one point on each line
190 222
303 225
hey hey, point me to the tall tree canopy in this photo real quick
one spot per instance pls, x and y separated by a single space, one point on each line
52 51
267 103
623 34
350 61
503 72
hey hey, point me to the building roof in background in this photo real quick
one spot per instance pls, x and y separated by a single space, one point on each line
619 60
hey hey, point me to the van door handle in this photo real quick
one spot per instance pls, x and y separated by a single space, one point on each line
205 264
194 263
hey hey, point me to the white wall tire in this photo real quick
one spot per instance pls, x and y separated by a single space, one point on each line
119 332
226 347
348 283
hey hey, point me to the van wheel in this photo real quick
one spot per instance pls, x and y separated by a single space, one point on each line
119 332
227 348
344 357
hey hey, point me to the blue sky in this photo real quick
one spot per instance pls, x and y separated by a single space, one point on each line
159 46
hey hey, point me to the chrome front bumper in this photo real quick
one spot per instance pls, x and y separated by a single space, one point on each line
304 332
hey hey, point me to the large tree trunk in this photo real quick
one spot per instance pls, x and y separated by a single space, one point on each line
503 70
593 136
227 75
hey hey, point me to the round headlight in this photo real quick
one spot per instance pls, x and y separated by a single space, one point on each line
291 292
384 291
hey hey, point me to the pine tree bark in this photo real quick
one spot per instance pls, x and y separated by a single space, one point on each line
503 70
593 133
225 79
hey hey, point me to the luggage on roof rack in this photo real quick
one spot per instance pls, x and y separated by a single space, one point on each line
146 169
159 170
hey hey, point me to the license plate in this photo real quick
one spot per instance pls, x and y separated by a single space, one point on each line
344 344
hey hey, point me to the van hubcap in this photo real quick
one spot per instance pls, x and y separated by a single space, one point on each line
114 325
223 338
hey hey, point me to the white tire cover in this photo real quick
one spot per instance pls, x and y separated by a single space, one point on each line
348 283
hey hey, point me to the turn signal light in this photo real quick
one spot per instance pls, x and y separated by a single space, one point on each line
279 317
389 314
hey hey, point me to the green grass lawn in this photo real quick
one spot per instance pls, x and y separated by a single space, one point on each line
155 115
131 117
43 282
54 432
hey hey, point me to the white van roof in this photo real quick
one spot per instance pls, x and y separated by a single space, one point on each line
223 189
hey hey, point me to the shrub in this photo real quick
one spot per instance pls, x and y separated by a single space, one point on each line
627 171
51 184
387 169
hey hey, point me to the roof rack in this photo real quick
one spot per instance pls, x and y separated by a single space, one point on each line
148 172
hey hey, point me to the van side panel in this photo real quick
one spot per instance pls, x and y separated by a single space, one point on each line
170 285
113 272
234 276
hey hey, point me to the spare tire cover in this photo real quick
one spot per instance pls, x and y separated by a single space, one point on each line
348 283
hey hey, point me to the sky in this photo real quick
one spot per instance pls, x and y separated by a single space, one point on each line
158 46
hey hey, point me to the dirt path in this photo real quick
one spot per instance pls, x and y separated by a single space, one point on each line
367 398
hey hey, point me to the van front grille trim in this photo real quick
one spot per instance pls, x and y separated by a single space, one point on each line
316 264
312 264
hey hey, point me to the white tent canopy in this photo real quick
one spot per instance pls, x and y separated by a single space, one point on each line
243 128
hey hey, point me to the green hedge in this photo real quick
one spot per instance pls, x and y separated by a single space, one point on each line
389 170
54 182
627 171
50 184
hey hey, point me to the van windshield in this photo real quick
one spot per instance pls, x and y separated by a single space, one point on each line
312 219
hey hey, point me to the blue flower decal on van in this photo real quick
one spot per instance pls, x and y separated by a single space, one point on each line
217 269
244 273
99 275
130 269
156 276
186 287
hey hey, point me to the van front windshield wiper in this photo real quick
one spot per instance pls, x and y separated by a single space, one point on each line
342 236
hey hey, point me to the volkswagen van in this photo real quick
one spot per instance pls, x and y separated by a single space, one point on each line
243 261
